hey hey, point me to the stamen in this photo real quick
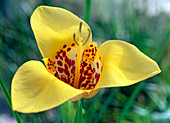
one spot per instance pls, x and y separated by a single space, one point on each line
74 36
87 37
79 55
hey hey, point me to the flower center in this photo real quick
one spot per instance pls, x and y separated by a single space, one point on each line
75 65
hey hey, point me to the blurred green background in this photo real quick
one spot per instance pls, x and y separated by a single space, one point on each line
144 23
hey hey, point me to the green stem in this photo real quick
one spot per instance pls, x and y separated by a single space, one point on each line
87 9
8 98
67 112
79 113
130 101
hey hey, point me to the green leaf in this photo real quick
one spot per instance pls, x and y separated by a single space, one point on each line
8 98
105 105
79 114
67 112
130 101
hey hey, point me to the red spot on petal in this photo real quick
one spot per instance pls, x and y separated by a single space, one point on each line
96 76
56 74
73 69
68 49
93 70
56 57
91 45
73 44
64 46
89 74
67 60
72 62
61 51
61 57
60 70
84 85
88 81
59 63
84 63
93 50
81 70
86 72
89 77
97 63
66 67
82 79
67 72
64 54
87 55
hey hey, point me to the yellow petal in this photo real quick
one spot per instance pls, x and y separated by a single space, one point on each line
124 64
34 89
53 27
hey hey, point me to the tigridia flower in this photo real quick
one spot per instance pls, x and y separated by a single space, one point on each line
74 67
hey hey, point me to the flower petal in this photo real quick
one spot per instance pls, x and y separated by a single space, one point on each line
34 89
86 94
124 64
53 27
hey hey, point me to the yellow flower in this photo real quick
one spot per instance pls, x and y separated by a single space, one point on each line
75 67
